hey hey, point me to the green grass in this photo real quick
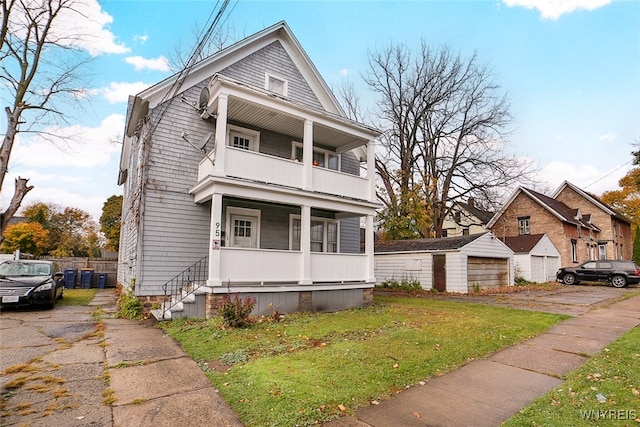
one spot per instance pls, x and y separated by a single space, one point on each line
604 391
77 297
310 367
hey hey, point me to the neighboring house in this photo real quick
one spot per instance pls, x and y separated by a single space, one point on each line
614 240
536 257
575 229
246 168
465 219
452 264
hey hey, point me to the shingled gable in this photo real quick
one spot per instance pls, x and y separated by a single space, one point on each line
482 215
555 207
413 245
205 69
593 199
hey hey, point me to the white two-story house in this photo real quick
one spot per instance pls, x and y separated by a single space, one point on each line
243 176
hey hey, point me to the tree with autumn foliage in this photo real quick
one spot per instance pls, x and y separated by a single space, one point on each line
72 231
110 221
28 237
626 201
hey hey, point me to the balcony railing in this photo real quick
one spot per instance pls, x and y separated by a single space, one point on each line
278 171
239 265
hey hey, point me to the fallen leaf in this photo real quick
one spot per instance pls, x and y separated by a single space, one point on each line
342 408
395 366
417 415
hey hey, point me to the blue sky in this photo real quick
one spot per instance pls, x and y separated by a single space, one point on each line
571 69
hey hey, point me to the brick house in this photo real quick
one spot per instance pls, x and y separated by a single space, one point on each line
580 226
614 239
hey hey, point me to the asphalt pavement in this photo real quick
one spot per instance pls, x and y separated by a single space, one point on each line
62 367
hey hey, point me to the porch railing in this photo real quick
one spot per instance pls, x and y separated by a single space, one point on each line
185 284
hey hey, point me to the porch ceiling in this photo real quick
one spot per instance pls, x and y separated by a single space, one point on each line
261 117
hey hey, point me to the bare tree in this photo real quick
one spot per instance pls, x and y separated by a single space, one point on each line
447 129
38 66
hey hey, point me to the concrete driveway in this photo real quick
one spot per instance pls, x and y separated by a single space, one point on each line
571 300
69 367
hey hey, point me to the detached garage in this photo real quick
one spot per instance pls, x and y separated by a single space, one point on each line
536 257
452 264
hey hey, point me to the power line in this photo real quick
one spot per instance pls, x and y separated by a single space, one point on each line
610 173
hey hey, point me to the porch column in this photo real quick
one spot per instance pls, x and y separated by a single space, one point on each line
307 155
305 244
369 249
215 241
371 170
221 135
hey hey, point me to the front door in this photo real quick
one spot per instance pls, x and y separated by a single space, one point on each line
440 272
243 231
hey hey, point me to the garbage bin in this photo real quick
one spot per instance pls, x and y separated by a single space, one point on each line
102 280
70 275
86 277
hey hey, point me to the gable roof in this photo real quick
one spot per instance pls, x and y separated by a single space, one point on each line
558 209
167 88
591 198
413 245
482 215
523 243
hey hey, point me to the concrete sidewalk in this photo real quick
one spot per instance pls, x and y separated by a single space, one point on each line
488 392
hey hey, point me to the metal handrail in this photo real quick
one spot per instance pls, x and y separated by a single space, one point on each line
185 284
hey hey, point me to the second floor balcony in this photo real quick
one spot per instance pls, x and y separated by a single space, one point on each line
267 139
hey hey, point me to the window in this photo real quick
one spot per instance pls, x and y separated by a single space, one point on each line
465 231
324 234
574 251
444 232
321 158
317 236
524 225
276 84
602 250
243 227
244 139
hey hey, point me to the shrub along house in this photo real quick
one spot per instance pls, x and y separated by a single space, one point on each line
244 176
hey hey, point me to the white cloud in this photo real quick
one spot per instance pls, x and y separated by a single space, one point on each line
588 177
155 64
82 24
141 38
608 137
71 146
344 72
553 9
119 92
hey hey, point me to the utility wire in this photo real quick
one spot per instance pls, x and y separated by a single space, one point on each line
606 175
169 96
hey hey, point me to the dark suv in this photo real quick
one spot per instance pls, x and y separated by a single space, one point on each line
617 272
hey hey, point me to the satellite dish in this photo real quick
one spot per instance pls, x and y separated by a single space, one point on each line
204 98
204 141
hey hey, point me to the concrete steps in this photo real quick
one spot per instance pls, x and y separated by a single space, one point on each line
191 303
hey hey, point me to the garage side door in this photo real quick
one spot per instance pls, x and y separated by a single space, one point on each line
538 272
487 272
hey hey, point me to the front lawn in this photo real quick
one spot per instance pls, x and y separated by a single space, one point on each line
604 391
77 297
310 368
